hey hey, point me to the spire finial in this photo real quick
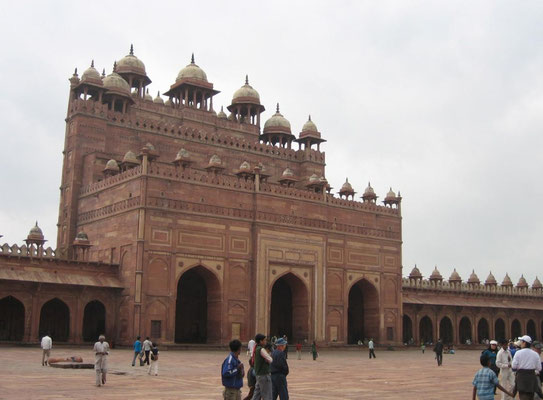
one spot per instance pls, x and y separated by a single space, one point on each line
247 79
131 49
158 94
36 223
277 110
310 117
346 180
192 59
104 72
222 109
92 63
75 71
115 66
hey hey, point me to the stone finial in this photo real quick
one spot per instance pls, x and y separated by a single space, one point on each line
192 59
92 63
75 71
114 66
131 50
246 79
277 109
103 73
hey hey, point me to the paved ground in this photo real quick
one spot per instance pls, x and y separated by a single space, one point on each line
194 375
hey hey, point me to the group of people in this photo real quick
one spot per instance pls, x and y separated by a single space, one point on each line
516 367
147 353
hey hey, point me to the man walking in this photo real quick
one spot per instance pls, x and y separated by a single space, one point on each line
46 345
137 350
263 387
101 351
232 372
526 364
299 350
438 349
371 348
147 349
503 362
279 371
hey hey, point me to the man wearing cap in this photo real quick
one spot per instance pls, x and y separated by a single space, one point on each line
526 364
491 353
279 370
503 362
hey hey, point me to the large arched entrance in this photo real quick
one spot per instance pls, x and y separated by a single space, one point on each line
516 330
465 330
483 331
446 330
289 309
94 321
55 320
198 307
363 312
530 329
407 330
426 330
12 319
499 329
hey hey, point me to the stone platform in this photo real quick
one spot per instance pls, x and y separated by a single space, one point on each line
195 375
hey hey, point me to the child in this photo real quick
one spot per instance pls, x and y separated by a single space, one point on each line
485 381
153 368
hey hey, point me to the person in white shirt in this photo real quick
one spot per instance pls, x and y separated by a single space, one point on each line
503 362
46 345
147 344
250 348
526 364
371 348
101 351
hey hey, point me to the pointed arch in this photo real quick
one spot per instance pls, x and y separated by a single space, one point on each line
363 312
55 320
12 319
94 321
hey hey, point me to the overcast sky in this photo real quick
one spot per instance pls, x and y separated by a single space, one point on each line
441 100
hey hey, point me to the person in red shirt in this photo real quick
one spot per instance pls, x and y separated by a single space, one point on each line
299 350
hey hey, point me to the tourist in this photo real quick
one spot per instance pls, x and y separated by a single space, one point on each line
101 351
423 347
263 387
153 368
137 350
46 345
485 381
438 349
279 370
250 348
371 348
314 350
147 349
503 362
526 364
285 338
232 372
492 352
299 350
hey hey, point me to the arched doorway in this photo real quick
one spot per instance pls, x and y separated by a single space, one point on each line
499 329
55 320
426 330
483 331
530 329
289 308
465 330
198 307
12 319
363 312
94 321
407 329
516 330
446 330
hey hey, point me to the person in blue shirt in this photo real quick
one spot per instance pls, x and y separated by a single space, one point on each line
232 372
137 350
485 381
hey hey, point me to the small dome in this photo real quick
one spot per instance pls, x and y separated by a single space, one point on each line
130 157
473 278
148 97
221 114
81 236
369 191
522 282
277 121
91 75
390 195
158 99
246 94
182 154
346 187
245 166
287 173
455 277
415 273
215 160
192 71
537 284
112 165
507 281
35 232
310 126
131 63
116 83
490 280
436 275
314 178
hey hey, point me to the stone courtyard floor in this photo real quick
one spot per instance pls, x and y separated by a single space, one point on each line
195 374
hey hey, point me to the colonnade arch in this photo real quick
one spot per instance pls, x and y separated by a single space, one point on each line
407 329
516 328
446 332
198 307
464 330
483 330
363 312
530 329
499 329
426 330
289 308
55 320
94 321
12 319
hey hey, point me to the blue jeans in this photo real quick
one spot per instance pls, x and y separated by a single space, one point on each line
279 387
